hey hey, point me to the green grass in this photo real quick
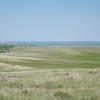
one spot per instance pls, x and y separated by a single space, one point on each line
53 65
50 73
55 57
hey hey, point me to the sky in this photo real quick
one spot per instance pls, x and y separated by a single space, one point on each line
49 20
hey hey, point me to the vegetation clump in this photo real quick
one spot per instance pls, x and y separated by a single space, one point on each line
63 95
5 48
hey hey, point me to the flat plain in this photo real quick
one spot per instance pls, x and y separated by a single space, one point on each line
50 73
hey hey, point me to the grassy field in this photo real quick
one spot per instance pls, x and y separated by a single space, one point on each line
50 73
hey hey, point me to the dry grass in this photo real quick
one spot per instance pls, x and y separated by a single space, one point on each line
47 84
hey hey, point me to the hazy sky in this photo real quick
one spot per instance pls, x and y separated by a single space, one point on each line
50 20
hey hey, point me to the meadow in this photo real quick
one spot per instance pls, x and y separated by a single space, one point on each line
50 73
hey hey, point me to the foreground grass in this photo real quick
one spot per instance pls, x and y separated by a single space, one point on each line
50 84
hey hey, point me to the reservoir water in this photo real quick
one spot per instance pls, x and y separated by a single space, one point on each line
54 43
